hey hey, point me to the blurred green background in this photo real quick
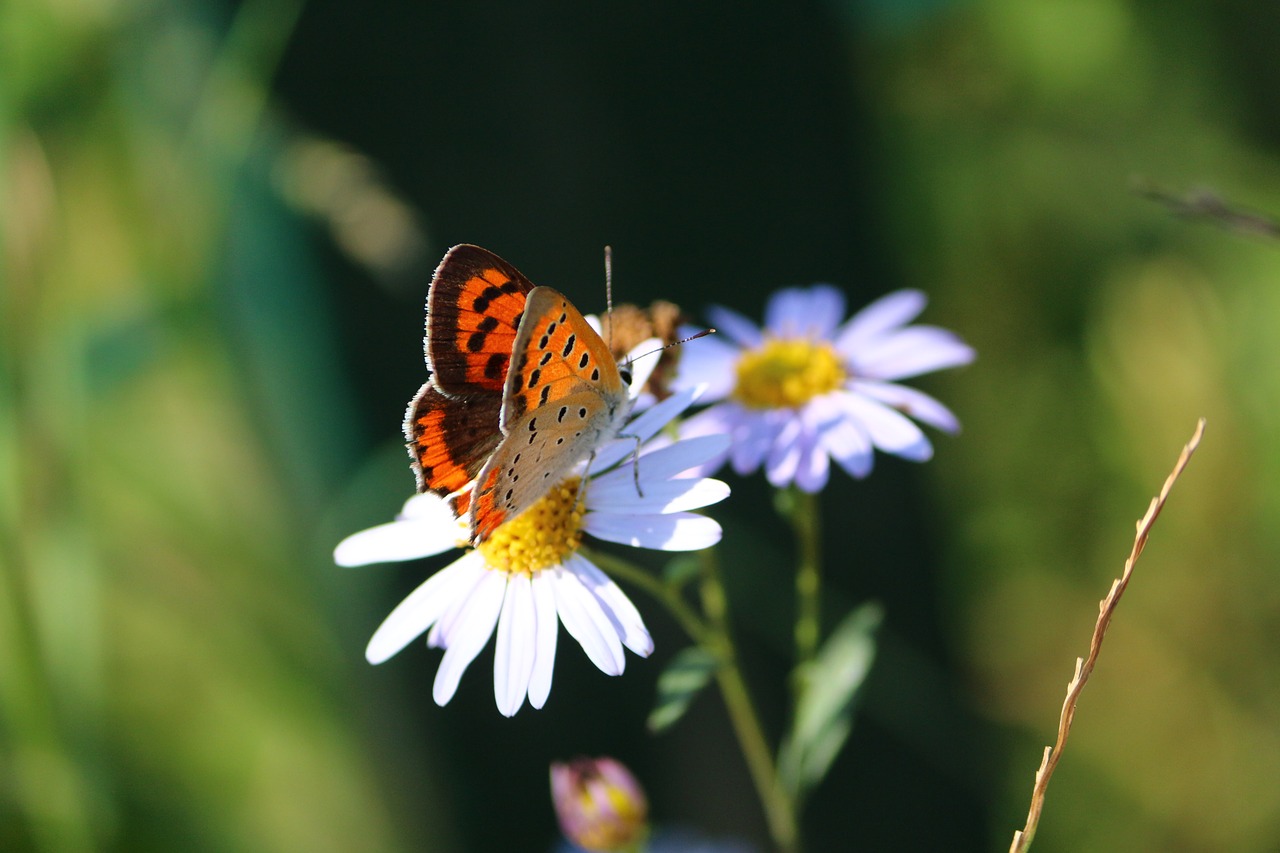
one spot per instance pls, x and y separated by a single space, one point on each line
217 225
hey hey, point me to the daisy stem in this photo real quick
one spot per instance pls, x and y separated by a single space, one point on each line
713 635
779 808
802 510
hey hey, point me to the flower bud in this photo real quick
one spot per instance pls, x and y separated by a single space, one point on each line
599 803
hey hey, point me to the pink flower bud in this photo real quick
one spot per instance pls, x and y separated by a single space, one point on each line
599 803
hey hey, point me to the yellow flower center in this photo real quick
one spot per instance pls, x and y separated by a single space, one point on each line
541 536
787 373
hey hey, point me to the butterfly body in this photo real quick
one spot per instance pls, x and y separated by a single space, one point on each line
523 389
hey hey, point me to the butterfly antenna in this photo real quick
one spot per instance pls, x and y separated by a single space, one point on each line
608 292
692 337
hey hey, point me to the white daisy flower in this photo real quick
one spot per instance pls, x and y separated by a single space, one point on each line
807 389
529 576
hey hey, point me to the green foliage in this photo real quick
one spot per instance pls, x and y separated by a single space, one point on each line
680 570
689 671
171 674
827 699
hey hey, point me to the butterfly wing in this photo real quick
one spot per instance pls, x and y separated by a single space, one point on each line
474 310
564 396
556 353
450 438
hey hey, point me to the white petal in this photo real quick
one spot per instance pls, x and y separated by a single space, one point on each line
784 455
821 414
814 468
619 494
616 605
910 352
754 437
804 312
665 462
442 632
643 427
585 621
711 362
886 313
422 607
910 402
642 359
674 459
427 506
736 327
889 430
677 531
721 419
426 527
849 445
516 646
388 543
548 628
470 635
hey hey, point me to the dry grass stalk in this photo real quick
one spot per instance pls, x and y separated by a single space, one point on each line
1084 667
1205 205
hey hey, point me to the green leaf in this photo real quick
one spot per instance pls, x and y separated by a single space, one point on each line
827 699
688 672
681 570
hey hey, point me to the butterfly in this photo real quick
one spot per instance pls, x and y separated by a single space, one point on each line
522 389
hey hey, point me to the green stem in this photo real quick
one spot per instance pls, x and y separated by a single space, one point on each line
713 635
779 808
803 513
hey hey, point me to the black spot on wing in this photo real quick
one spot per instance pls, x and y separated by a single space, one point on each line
481 303
496 366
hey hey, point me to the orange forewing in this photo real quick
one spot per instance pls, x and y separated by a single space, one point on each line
561 354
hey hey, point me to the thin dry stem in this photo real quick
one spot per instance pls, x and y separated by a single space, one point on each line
1084 667
1205 205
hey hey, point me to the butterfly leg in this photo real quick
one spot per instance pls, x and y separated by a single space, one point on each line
635 462
586 475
